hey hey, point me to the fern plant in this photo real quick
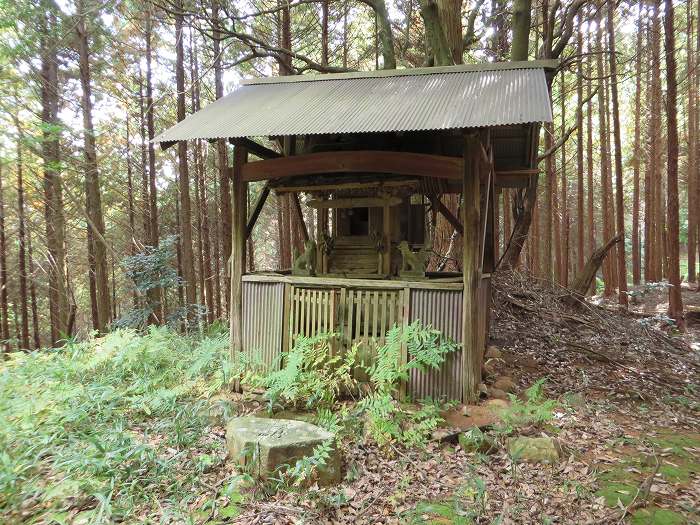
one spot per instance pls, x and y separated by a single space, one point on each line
313 374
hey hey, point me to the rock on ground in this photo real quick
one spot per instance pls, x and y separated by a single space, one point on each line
266 445
534 449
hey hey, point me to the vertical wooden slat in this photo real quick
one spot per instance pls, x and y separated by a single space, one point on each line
404 301
288 291
385 304
350 311
471 220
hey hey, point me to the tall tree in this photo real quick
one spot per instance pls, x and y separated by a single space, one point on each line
4 311
675 301
59 297
22 242
691 144
637 153
183 172
619 196
222 156
580 218
150 125
93 193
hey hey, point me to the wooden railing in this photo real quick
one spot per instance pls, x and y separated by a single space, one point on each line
277 309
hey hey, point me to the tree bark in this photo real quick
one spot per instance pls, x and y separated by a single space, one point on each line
188 273
153 190
619 195
580 218
4 311
675 301
22 246
36 333
604 159
521 29
691 163
59 299
222 156
637 153
93 195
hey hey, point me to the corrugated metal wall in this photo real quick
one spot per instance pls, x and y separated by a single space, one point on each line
263 309
442 309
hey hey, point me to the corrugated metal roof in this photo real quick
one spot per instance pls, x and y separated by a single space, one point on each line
402 100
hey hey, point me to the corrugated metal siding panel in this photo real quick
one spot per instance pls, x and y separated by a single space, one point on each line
263 305
402 103
443 310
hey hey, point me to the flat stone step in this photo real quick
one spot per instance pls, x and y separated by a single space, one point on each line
266 445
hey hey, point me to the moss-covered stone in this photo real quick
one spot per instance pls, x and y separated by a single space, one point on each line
614 490
534 450
265 445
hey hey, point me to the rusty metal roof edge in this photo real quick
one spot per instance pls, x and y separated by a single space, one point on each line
417 71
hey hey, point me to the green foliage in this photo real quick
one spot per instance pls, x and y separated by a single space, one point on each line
387 422
108 422
153 269
314 374
536 409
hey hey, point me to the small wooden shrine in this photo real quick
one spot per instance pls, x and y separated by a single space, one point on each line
371 153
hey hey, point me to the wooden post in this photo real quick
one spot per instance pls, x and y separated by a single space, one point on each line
238 238
386 226
472 339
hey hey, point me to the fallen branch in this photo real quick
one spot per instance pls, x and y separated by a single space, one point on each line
583 280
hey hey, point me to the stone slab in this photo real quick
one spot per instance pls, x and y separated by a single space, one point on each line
266 445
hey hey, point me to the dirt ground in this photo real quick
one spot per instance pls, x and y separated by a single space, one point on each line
628 420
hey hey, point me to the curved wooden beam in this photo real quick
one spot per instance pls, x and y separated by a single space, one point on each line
390 162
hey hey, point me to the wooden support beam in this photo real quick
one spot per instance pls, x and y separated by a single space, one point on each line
355 202
386 227
445 212
471 210
256 149
257 208
393 162
237 262
297 209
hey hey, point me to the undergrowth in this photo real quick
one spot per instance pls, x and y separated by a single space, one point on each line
110 427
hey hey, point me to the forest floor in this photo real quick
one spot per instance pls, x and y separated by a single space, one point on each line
122 430
628 419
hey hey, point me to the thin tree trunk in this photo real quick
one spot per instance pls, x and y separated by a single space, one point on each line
150 117
5 321
655 218
619 196
324 32
691 163
59 298
550 184
604 160
188 273
636 248
590 217
675 301
93 195
580 219
22 248
564 202
36 333
224 184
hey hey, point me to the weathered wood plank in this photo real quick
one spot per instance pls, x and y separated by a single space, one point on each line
256 149
354 202
238 197
392 162
471 210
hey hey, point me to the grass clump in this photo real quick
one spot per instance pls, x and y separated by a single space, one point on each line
109 426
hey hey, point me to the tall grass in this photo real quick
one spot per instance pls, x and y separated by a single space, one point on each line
114 428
